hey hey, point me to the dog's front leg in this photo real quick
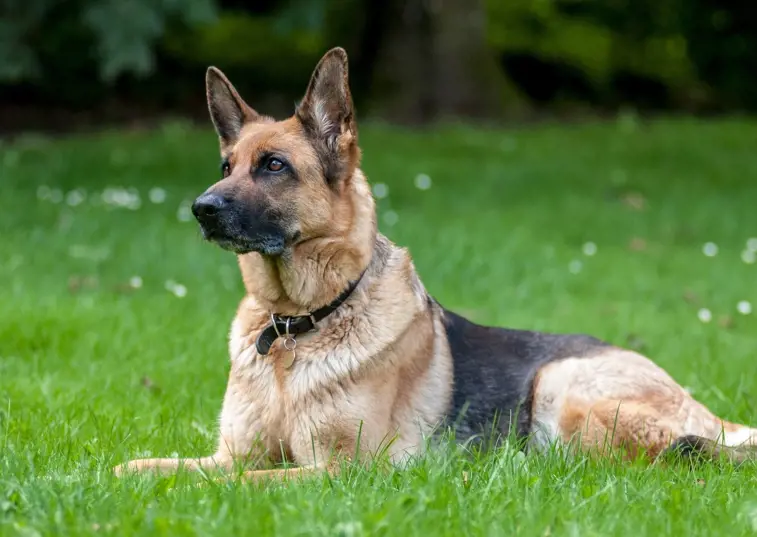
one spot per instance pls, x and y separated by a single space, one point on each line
332 467
224 459
241 439
286 474
170 465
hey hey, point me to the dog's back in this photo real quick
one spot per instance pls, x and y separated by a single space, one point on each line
495 371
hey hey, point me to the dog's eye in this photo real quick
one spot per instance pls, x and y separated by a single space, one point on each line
225 168
274 165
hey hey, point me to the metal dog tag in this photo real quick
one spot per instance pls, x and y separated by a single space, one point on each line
290 344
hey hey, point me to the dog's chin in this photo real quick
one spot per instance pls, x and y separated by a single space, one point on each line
265 245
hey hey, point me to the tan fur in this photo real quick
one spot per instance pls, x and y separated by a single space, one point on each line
621 399
378 372
616 423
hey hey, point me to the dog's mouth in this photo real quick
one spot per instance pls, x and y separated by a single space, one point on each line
268 245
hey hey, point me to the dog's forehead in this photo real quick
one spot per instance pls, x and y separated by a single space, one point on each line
257 138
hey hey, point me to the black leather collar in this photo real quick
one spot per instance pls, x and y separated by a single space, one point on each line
299 324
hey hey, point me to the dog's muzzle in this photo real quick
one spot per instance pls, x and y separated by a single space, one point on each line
235 229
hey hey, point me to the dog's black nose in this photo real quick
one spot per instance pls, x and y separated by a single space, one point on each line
206 207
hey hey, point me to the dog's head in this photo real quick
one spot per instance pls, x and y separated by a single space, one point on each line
281 181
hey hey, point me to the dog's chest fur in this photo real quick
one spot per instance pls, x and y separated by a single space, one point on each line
377 368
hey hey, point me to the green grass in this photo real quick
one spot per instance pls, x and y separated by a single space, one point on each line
93 372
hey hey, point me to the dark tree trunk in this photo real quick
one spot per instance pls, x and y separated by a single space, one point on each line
433 62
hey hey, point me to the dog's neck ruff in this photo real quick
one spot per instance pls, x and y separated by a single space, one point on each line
290 326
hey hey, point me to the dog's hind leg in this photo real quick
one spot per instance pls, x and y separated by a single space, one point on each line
646 427
621 398
634 426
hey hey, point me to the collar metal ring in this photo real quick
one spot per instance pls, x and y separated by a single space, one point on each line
275 326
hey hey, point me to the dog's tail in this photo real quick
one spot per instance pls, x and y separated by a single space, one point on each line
692 446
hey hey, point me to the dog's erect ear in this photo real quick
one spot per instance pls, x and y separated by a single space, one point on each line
327 110
227 109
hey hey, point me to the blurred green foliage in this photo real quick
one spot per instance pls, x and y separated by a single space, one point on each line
597 36
666 54
123 34
279 50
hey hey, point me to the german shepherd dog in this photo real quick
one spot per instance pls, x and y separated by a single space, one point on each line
337 348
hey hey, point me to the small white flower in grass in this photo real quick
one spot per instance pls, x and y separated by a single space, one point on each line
133 201
157 195
390 218
135 282
749 256
589 249
56 196
575 266
751 244
176 288
744 307
180 291
120 197
75 197
109 196
710 249
422 181
184 214
380 190
704 315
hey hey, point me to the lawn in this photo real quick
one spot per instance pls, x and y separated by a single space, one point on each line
114 316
